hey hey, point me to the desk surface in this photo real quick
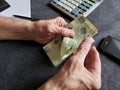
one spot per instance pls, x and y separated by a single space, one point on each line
24 65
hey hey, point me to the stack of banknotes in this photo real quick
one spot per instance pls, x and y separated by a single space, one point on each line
62 47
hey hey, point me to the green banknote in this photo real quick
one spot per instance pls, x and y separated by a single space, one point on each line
62 47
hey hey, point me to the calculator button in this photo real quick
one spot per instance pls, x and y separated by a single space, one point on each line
79 1
82 7
72 6
76 3
92 1
70 9
86 5
60 3
77 10
89 2
56 1
69 4
73 2
85 8
81 11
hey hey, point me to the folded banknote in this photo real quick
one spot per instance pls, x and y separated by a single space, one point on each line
62 47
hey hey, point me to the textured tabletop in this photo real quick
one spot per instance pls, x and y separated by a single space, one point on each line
25 66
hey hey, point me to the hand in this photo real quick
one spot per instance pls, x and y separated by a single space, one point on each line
46 30
81 72
84 67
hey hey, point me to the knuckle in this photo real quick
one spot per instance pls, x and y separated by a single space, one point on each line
62 31
84 49
66 32
85 44
59 18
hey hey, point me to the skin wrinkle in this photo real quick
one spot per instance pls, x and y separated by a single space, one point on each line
83 69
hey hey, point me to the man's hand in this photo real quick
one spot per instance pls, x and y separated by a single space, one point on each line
46 30
42 31
81 72
83 69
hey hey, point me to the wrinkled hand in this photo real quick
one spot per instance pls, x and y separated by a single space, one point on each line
84 67
81 72
46 30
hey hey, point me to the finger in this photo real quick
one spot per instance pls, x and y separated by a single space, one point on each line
65 32
60 22
84 49
93 63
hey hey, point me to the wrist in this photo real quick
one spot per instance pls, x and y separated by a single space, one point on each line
37 30
49 85
24 31
30 30
63 83
66 82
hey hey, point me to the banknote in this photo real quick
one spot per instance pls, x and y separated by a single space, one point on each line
62 47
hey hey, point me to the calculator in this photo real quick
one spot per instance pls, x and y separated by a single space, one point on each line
73 8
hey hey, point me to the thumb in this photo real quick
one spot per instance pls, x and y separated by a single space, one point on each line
84 48
93 62
65 32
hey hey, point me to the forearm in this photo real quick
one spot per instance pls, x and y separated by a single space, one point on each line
15 29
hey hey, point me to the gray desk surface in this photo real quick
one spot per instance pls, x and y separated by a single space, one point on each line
24 66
